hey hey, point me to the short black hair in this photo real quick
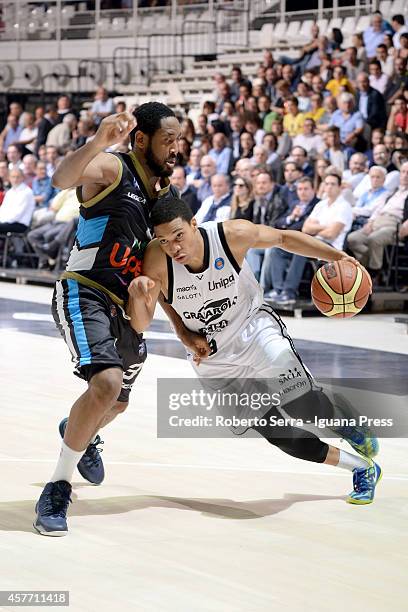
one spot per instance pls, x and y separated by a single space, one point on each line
169 208
399 19
335 176
148 118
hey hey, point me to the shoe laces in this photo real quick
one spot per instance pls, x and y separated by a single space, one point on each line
362 479
92 452
56 502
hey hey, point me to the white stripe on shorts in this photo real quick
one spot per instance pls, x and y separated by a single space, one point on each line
63 321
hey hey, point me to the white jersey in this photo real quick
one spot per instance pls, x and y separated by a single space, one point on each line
218 301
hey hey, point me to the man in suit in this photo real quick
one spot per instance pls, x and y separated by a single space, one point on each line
268 207
187 192
370 102
282 270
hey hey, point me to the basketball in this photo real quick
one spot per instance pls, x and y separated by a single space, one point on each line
340 289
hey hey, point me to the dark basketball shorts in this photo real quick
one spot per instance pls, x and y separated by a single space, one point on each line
97 333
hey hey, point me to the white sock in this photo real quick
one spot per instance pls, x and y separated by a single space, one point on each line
350 462
66 465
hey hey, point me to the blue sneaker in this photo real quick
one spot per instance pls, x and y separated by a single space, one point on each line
364 481
90 466
52 509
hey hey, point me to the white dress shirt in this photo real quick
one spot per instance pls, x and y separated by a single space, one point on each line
18 205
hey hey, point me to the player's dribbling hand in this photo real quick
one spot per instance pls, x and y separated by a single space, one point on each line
355 261
140 288
114 128
197 344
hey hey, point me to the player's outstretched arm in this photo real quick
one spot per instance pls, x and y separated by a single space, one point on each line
89 164
243 235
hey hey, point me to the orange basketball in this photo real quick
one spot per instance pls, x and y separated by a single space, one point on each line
340 289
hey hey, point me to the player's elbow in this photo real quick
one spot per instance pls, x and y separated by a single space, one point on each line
59 180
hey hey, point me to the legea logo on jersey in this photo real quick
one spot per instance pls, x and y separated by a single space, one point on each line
211 311
223 283
136 197
219 263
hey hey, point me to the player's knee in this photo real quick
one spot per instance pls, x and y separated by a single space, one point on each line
106 386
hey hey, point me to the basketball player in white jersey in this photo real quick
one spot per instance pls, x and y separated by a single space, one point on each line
211 295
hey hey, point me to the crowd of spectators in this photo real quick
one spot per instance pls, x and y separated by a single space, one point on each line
316 143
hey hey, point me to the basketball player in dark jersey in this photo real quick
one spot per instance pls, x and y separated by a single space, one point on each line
116 192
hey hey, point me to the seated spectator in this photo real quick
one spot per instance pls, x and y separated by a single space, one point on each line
293 120
372 198
243 168
399 81
221 153
216 207
52 160
311 142
102 107
61 134
247 144
47 239
317 111
28 133
283 93
268 207
85 129
64 107
284 140
183 151
260 156
403 50
336 153
332 217
374 35
381 158
288 75
357 41
235 134
299 156
252 125
352 64
368 243
43 192
321 166
236 81
389 141
273 160
339 83
193 170
18 205
377 137
282 270
14 157
120 106
45 126
349 121
202 130
292 173
187 192
188 130
356 172
303 97
203 185
378 79
242 203
29 169
399 27
10 134
386 61
398 119
370 102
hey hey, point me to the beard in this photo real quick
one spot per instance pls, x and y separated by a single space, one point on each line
158 168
